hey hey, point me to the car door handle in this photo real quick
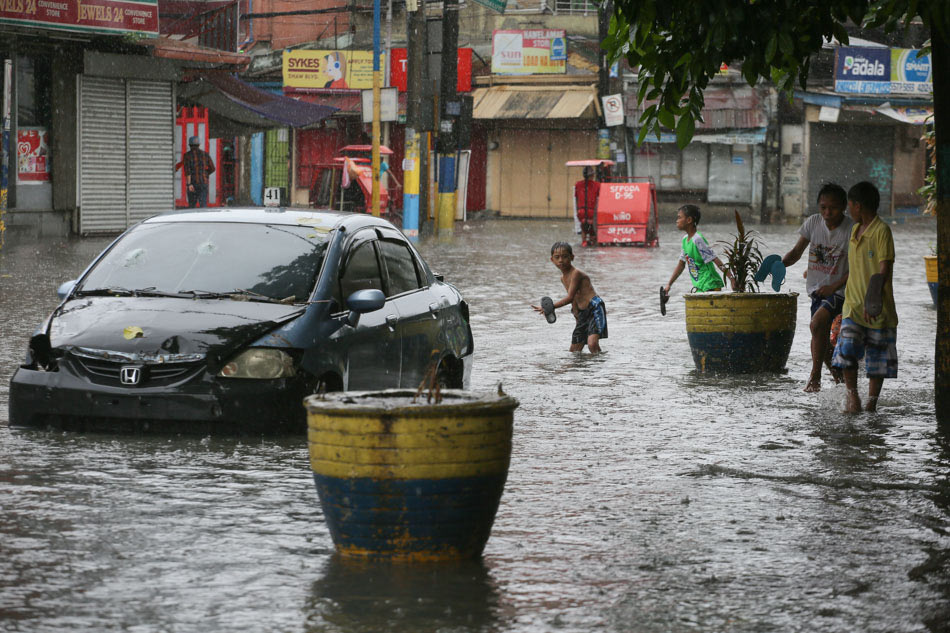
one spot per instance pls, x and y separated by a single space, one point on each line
434 309
391 321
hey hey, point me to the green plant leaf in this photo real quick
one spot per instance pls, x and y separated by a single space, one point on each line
684 130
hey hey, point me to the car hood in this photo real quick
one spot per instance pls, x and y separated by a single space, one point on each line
158 326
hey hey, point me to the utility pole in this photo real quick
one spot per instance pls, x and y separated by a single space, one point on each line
603 76
449 110
377 85
415 94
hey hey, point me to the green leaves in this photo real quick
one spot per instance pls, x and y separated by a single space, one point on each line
680 52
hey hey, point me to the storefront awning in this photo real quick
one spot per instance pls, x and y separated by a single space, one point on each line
727 107
534 102
238 108
193 55
347 102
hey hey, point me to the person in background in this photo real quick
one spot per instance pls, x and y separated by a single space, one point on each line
586 193
197 165
825 235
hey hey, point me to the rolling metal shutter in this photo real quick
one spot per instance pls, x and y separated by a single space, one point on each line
151 148
847 154
126 165
102 155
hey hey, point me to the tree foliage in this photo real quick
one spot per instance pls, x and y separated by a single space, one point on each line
680 45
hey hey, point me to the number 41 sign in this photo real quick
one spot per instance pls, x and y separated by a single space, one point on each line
272 197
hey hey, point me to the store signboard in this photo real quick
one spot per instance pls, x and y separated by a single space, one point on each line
865 70
531 52
87 16
400 64
329 69
910 74
494 5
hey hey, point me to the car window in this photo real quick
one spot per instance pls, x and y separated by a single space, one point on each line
278 261
401 267
361 271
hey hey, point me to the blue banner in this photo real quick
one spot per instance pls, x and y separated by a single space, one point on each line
863 70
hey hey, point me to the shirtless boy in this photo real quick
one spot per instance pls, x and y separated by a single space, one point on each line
588 309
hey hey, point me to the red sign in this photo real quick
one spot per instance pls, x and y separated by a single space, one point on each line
109 16
397 69
623 203
32 155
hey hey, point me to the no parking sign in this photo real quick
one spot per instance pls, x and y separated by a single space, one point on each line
613 110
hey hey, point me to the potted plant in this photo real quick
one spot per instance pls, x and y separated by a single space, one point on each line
930 262
743 331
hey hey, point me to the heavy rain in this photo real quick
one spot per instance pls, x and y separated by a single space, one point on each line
647 491
642 495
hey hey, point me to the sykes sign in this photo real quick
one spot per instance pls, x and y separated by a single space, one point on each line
89 16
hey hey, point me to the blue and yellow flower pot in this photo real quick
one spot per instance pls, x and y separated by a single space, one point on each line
401 479
740 332
930 261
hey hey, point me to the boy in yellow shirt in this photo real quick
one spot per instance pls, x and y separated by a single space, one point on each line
869 317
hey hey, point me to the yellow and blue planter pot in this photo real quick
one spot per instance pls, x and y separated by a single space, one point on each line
740 332
930 261
410 481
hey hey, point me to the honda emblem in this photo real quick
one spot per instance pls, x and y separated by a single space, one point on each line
130 375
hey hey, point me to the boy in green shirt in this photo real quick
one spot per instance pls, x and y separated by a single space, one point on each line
697 254
869 318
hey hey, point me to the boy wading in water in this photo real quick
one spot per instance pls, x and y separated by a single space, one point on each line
826 236
869 318
697 254
588 309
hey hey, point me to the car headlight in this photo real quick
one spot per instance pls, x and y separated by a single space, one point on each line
259 363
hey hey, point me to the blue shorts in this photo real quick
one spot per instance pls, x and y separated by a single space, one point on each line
877 347
832 304
590 320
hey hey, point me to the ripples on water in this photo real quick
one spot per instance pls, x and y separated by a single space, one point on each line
642 496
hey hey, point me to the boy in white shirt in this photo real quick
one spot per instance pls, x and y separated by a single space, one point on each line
826 235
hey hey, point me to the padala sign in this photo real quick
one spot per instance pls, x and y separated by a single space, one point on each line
866 70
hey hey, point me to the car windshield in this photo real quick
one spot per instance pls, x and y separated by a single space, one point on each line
266 262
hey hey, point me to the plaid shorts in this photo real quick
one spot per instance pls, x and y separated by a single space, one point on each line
877 347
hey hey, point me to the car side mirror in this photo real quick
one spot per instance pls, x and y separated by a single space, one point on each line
439 276
65 288
363 301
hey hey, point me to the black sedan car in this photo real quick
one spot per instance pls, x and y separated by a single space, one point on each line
224 320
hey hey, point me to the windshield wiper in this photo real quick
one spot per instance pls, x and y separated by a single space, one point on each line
238 294
105 292
116 291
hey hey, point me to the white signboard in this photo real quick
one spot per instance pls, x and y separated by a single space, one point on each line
613 110
272 197
388 105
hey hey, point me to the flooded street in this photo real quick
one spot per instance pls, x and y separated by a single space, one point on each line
642 496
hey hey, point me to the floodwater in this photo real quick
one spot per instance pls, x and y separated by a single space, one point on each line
642 496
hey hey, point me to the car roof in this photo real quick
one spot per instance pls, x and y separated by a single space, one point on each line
325 220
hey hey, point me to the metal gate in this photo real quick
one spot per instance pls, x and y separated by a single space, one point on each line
126 152
848 154
277 161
